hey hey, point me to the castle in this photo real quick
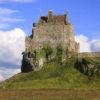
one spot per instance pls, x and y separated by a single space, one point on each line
52 30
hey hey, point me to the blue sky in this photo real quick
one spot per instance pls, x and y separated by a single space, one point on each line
17 17
84 14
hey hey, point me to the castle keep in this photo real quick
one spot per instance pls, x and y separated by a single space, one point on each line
52 30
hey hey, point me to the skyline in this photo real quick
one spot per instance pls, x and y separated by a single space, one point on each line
17 17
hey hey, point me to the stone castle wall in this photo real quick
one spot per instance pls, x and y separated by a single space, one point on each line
53 30
89 54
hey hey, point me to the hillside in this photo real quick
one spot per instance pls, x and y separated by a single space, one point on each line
53 76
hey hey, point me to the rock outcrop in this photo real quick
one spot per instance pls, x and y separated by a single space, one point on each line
89 66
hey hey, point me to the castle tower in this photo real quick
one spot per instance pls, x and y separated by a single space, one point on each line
50 15
53 31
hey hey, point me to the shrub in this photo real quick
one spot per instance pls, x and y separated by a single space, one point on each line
48 52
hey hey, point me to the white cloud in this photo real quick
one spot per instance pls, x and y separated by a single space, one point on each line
4 25
6 11
18 1
23 1
11 46
95 45
6 73
1 78
7 19
87 45
84 43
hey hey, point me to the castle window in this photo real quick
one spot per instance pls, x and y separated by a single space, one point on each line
44 19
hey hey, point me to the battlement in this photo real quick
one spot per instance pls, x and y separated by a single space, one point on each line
52 19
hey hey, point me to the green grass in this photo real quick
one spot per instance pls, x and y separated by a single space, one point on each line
52 76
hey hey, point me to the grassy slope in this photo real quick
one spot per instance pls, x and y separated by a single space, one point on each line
52 76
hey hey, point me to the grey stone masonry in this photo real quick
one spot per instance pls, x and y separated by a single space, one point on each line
52 30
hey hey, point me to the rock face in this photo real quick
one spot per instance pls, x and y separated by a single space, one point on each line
26 63
89 66
52 30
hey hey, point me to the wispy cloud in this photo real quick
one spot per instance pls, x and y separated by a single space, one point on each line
7 17
6 11
18 1
6 73
95 45
4 25
1 78
23 1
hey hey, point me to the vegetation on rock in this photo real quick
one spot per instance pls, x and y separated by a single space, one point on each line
53 75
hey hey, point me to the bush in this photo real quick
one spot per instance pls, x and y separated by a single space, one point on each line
59 54
48 52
